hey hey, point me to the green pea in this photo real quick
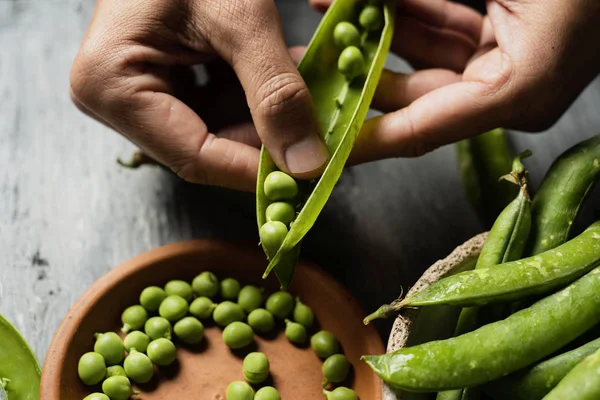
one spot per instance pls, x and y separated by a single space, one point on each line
136 340
256 368
250 298
115 370
280 211
133 318
261 320
324 344
351 62
345 34
228 312
179 288
173 308
151 297
230 288
280 304
117 388
97 396
110 346
138 367
303 314
206 284
371 18
239 390
295 332
158 327
162 352
189 330
237 335
91 368
267 393
272 234
341 393
280 186
202 308
335 369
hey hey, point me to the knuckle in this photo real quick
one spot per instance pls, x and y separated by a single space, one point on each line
417 143
281 94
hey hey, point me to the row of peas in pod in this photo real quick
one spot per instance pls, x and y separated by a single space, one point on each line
178 309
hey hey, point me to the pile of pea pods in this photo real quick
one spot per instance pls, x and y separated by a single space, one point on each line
529 325
175 313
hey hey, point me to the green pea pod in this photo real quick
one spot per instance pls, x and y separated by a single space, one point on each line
341 106
563 190
482 160
495 349
19 368
536 381
581 383
505 242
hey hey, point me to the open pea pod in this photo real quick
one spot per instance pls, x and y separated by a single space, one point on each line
341 105
20 372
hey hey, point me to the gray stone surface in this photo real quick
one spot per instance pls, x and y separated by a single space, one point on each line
68 213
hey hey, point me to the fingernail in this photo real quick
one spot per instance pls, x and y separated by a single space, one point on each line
307 156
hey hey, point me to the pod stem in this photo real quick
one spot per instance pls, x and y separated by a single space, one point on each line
4 383
137 160
519 174
326 393
97 335
325 383
386 310
126 328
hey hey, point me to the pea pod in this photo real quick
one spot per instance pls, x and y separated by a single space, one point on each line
536 381
495 349
563 190
341 105
19 368
582 383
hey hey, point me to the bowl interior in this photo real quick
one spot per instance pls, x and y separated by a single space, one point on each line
204 371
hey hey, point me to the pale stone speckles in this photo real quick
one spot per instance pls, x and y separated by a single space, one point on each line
596 163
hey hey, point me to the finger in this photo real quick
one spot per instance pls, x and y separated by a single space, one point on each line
279 100
243 133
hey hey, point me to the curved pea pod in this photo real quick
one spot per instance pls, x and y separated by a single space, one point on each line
561 193
495 349
581 383
20 372
341 106
536 381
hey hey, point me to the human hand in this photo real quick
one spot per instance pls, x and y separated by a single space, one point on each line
132 74
519 67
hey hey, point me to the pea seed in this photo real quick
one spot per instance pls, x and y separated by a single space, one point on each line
110 346
117 388
324 344
151 297
280 211
250 298
272 234
351 62
133 318
341 393
206 284
303 314
371 18
280 186
228 312
295 332
91 368
189 330
115 370
345 34
280 304
158 327
256 368
267 393
162 352
239 390
138 367
237 335
97 396
179 288
136 340
261 320
230 288
173 308
202 308
335 369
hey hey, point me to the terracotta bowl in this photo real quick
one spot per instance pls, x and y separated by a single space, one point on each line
203 372
416 326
